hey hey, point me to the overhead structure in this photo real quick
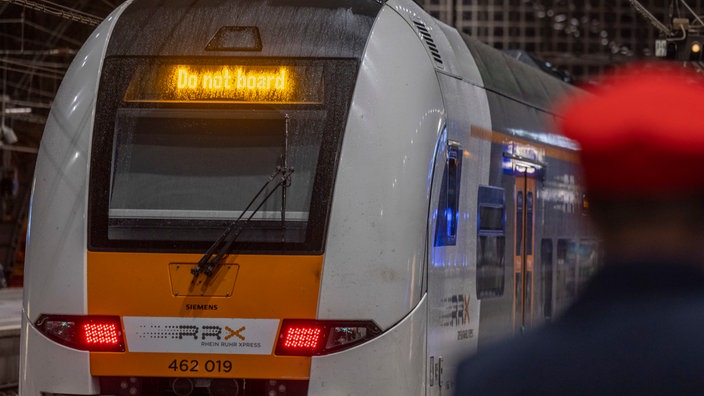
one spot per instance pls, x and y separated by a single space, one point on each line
682 39
59 10
38 40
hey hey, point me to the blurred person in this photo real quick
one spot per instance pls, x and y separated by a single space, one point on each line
638 328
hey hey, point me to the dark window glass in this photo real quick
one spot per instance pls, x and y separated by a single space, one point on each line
529 223
491 242
547 270
566 271
519 223
588 258
529 293
491 218
518 298
196 167
448 205
490 266
453 191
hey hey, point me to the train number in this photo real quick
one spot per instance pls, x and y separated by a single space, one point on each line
195 366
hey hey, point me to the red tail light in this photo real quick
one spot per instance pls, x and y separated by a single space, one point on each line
87 333
321 337
303 337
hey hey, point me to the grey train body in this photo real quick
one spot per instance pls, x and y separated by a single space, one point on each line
439 210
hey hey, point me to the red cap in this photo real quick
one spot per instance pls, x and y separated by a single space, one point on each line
641 131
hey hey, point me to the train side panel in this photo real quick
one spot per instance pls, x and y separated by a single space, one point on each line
522 247
375 249
57 282
377 227
453 319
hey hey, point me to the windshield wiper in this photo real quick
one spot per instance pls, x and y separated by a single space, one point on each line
210 260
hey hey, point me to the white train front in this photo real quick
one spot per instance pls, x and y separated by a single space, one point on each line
292 198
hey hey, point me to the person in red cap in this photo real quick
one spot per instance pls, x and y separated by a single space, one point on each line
638 328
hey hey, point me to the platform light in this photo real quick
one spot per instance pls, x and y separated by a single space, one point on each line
87 333
695 50
688 49
18 110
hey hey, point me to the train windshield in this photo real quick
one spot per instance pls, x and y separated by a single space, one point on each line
201 166
179 170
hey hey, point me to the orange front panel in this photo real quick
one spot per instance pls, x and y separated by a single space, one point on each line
154 285
199 365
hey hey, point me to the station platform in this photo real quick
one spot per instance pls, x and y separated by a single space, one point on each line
10 323
10 309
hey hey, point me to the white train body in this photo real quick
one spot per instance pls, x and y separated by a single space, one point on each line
426 195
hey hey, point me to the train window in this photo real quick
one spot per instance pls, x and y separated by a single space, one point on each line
524 204
491 241
448 206
170 175
566 271
198 166
588 259
519 223
491 218
547 271
529 223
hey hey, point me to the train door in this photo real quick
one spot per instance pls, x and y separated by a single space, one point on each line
523 263
524 164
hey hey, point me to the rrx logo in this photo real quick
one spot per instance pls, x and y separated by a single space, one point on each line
207 332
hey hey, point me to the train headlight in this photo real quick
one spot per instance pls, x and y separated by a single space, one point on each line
320 337
87 333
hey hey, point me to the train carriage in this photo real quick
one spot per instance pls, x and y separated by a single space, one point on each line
293 198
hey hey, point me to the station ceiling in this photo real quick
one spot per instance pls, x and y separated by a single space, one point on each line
38 40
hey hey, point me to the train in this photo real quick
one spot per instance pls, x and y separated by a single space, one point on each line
279 197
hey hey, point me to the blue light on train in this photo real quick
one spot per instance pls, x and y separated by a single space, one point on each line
506 160
451 218
448 205
507 165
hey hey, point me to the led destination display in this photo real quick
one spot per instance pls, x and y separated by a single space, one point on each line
226 83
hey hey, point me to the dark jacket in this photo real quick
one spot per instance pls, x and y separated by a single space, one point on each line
637 330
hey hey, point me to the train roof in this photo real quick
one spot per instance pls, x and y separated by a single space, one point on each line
283 28
511 78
